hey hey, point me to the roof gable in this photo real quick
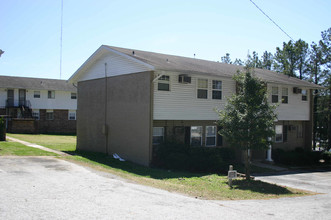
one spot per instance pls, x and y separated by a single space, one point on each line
108 62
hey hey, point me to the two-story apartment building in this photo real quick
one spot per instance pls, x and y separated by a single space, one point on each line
137 99
36 105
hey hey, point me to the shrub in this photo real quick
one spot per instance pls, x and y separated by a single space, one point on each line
2 129
326 156
297 157
172 155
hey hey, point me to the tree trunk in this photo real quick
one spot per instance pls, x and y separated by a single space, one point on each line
314 122
247 165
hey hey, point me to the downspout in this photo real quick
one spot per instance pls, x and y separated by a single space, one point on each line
106 109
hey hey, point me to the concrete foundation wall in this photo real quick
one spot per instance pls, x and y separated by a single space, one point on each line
128 119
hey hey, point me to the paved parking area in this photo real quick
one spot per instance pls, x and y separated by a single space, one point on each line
49 188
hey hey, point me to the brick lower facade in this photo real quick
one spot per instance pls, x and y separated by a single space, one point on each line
296 134
60 124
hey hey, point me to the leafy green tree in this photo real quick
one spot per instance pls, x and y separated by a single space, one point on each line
226 59
325 106
238 62
286 59
247 120
319 69
253 61
302 53
267 60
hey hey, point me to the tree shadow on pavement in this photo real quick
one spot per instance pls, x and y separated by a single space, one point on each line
260 187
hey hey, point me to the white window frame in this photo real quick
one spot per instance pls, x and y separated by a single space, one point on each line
216 89
36 94
202 88
48 111
157 134
73 95
201 131
284 95
51 94
36 114
72 112
304 93
209 136
274 94
164 79
279 131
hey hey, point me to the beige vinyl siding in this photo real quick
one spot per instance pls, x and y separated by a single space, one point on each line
295 109
116 65
181 102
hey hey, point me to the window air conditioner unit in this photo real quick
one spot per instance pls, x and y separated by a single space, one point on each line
184 79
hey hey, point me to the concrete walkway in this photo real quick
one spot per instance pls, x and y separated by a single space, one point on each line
269 166
38 146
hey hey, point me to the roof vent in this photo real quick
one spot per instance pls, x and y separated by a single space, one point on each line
133 52
167 60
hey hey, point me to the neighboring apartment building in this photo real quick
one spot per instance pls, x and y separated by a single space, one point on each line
37 105
137 99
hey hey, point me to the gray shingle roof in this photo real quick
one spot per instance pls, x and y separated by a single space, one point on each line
13 82
192 65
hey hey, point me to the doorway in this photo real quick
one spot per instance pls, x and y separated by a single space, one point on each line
10 98
21 97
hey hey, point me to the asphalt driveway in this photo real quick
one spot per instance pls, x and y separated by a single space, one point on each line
49 188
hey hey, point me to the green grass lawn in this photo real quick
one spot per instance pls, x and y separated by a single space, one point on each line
199 185
57 142
9 148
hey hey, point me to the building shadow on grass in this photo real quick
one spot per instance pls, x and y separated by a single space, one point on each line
126 166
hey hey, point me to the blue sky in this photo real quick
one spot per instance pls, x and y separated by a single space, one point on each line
30 29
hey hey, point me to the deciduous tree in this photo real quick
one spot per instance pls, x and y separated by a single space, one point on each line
247 120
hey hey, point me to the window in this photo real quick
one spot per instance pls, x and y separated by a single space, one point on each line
73 95
164 83
274 95
36 94
35 114
196 135
72 115
285 95
49 115
158 135
304 94
211 135
279 133
217 89
202 88
51 94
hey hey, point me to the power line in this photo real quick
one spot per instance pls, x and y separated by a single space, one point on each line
271 20
61 39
